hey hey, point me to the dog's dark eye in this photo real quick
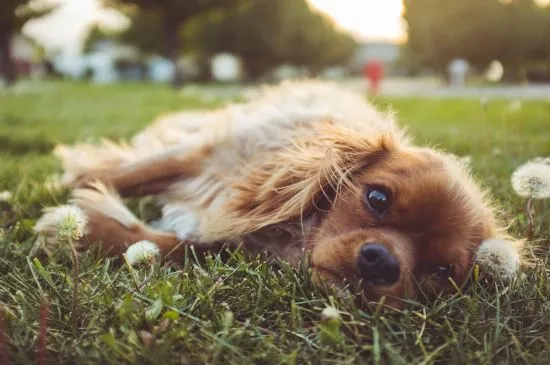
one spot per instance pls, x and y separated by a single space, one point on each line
378 200
444 272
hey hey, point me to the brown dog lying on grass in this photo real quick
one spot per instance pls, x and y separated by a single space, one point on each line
305 169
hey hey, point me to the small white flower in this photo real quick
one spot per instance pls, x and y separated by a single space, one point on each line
532 180
498 258
496 151
514 106
70 223
330 313
5 196
142 251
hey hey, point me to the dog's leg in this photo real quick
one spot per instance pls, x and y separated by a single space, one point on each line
111 225
150 175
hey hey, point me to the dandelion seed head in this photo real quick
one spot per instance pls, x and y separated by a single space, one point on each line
142 251
5 196
70 223
532 180
498 258
330 313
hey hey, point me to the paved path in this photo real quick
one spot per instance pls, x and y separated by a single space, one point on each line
396 87
432 88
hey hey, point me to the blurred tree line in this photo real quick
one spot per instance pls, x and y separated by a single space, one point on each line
13 16
262 33
514 32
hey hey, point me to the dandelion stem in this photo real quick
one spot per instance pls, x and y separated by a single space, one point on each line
529 214
76 275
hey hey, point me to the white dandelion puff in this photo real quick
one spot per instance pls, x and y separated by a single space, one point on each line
532 180
498 258
5 196
70 223
142 251
330 313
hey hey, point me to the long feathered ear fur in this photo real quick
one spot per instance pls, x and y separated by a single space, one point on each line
288 184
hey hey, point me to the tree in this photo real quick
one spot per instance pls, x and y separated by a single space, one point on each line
173 14
13 15
267 33
480 31
97 33
145 33
263 33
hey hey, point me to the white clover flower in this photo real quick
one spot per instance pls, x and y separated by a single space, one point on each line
70 223
142 251
514 106
498 258
532 180
5 196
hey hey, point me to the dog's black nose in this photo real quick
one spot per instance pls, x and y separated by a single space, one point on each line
377 265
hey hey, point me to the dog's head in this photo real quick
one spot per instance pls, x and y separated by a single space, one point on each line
409 222
397 219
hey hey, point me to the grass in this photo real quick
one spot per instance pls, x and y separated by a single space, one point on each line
237 311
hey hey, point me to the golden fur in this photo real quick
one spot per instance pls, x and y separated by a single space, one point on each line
286 173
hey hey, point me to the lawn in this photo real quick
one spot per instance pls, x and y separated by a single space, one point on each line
236 311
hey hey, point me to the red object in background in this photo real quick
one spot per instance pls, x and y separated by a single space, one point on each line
373 71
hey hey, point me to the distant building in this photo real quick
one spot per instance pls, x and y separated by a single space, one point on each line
386 52
110 62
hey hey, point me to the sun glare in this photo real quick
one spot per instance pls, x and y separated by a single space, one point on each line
367 19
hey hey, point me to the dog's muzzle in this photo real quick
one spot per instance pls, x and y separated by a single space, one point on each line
377 265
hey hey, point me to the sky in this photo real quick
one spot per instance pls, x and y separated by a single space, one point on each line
65 28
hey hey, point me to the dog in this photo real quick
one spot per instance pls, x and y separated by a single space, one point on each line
304 169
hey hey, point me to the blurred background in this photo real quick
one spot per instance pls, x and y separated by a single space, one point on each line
402 47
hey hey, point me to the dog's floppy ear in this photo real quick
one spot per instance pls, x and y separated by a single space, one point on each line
499 258
290 182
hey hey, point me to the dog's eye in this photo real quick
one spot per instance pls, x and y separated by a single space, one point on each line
444 272
378 200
